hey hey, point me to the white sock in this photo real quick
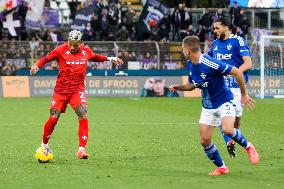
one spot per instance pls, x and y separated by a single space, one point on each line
44 145
224 165
81 148
248 145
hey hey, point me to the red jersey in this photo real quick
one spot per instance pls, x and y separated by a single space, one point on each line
72 67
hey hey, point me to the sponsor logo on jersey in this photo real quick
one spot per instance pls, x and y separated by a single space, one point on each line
216 48
224 56
203 84
77 62
68 52
229 47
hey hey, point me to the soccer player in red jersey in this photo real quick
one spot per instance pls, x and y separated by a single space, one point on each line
72 58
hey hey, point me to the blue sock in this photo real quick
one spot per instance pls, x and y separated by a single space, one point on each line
226 138
213 154
239 138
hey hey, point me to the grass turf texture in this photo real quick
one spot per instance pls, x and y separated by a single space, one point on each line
135 143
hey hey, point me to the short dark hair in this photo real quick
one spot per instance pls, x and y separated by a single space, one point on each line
225 21
193 42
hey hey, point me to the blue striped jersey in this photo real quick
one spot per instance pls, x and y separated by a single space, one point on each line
231 51
208 75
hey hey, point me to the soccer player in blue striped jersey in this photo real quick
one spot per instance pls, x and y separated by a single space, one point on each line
231 49
218 106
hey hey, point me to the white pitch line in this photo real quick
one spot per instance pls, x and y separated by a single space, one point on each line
112 123
143 123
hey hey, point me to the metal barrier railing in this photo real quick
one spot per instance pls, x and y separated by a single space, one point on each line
162 55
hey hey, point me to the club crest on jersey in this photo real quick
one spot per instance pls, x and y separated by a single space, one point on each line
53 102
203 75
229 47
68 52
216 48
83 52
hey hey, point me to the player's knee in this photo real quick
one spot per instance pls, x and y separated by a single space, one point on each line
81 111
228 131
205 142
55 113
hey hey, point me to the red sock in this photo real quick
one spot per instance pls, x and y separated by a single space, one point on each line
48 128
83 132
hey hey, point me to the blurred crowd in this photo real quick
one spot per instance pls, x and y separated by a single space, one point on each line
116 21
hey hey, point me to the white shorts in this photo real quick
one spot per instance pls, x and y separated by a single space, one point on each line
213 117
237 101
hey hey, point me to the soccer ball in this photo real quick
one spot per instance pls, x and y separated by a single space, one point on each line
43 154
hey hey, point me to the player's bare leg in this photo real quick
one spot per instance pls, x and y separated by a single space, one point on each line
83 131
238 137
206 133
231 144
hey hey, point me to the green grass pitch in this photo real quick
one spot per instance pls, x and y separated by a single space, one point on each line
135 143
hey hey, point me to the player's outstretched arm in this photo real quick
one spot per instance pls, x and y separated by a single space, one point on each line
41 62
245 99
185 87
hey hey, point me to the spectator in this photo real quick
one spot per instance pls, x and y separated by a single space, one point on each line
243 23
177 21
163 33
113 20
239 32
186 18
34 43
88 33
9 69
206 20
201 33
188 32
123 34
123 9
234 13
167 21
218 14
104 27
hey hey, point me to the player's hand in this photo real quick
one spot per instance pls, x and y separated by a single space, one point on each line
248 102
34 69
115 60
172 88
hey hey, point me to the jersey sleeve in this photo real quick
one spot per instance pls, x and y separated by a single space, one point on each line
210 52
242 47
49 57
217 67
189 79
96 57
188 66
